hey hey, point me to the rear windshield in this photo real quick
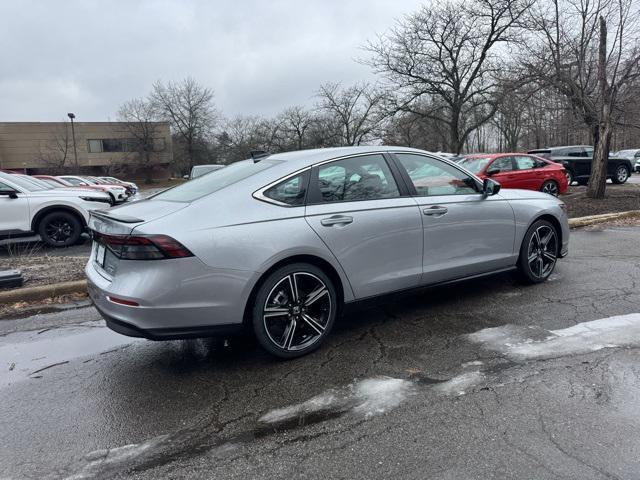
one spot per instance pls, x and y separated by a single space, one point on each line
206 184
474 165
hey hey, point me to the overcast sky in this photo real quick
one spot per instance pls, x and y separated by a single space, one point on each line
259 56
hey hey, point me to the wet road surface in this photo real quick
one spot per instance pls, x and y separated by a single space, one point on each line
486 379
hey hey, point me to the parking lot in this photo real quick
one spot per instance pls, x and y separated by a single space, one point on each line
399 390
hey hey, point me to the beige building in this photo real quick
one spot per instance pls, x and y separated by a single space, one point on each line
48 147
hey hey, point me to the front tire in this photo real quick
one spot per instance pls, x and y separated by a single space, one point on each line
60 229
539 252
294 311
621 175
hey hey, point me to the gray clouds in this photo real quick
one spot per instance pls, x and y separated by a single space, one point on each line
258 56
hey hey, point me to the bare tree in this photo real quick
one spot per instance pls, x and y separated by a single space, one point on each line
189 107
355 111
573 56
139 117
444 56
296 123
58 149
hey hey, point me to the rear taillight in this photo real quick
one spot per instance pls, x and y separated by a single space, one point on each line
143 247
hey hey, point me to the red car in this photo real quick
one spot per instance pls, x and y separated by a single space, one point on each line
518 170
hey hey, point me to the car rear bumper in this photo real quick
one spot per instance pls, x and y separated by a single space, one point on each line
179 298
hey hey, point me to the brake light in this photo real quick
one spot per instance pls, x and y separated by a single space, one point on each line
143 247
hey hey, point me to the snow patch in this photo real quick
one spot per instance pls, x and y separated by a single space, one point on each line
101 461
523 343
459 384
369 397
377 395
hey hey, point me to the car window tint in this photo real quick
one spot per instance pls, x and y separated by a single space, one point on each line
504 164
434 177
207 184
526 163
291 191
366 177
575 152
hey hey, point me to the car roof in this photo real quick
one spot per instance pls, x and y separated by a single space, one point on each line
303 158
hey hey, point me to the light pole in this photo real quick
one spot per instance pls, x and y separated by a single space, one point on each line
73 134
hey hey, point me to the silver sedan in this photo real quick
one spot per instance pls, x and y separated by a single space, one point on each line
281 243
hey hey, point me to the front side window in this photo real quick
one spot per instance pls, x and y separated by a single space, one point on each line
501 164
366 177
432 177
291 191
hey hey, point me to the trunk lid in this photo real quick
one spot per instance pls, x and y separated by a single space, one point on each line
123 219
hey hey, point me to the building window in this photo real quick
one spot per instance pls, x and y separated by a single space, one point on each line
95 146
110 145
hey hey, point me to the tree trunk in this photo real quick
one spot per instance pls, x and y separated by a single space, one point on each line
598 180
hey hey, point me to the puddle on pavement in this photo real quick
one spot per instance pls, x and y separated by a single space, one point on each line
25 355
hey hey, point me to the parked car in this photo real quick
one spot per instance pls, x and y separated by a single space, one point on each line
100 181
117 181
117 192
289 239
633 155
577 159
58 215
199 170
517 170
55 182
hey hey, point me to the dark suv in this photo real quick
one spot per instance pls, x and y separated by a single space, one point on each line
576 160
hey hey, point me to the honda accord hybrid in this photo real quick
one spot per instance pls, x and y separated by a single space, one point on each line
280 244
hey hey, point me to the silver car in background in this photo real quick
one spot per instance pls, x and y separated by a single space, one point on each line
281 243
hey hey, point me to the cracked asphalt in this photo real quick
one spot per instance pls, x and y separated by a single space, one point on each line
79 401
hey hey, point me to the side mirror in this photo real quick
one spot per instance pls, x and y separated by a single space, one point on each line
493 171
9 193
490 187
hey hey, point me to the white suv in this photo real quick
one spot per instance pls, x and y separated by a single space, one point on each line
59 216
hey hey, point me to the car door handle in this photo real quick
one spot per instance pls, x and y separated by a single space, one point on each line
336 220
435 210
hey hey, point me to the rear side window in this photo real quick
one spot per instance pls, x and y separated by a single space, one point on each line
366 177
526 163
291 191
206 184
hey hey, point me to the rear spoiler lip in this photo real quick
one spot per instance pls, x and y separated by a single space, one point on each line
115 216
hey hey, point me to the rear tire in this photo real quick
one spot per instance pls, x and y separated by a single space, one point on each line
621 175
294 310
60 229
538 252
551 187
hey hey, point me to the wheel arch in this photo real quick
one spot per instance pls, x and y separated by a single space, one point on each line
56 208
554 221
319 262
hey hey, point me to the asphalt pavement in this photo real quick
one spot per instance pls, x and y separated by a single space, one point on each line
485 379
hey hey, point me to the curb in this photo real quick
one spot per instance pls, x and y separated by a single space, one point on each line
43 291
595 219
